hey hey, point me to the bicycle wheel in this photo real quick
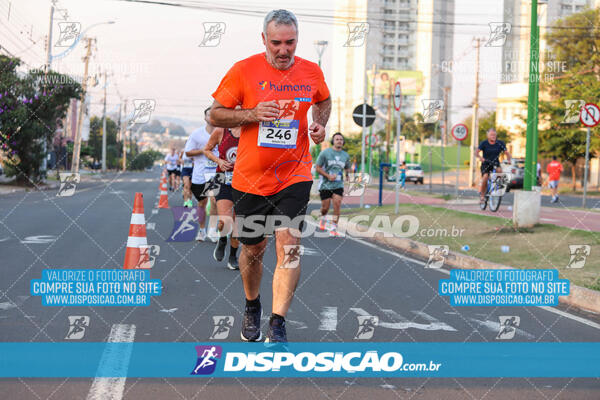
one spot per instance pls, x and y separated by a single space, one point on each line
495 203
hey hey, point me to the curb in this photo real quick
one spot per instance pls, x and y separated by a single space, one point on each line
580 297
17 189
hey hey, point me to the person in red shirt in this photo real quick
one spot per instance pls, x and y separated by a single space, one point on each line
554 170
272 176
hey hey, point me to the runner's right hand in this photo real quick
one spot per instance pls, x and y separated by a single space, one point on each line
266 111
224 165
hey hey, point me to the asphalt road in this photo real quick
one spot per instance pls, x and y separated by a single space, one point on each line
342 278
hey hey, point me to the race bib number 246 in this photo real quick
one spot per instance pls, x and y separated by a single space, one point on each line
280 133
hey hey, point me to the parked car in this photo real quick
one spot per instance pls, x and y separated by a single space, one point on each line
514 171
414 173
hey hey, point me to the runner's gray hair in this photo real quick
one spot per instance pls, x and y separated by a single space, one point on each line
280 17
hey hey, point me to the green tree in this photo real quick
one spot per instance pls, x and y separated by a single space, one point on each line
113 147
144 160
31 107
487 121
574 55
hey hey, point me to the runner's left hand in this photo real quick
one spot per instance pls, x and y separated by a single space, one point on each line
317 132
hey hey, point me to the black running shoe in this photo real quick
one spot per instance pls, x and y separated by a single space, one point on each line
276 332
251 324
219 252
233 263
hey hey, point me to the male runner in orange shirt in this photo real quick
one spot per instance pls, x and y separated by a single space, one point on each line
272 174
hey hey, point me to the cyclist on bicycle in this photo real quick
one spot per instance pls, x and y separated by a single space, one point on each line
491 149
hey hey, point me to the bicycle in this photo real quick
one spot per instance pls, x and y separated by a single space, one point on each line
496 188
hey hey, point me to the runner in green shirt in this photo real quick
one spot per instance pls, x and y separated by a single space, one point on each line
331 164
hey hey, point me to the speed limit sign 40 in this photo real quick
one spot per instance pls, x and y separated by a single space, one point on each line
459 132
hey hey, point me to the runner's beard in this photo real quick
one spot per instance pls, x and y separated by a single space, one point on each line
277 60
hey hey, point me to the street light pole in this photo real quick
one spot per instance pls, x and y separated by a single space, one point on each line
530 173
104 128
320 46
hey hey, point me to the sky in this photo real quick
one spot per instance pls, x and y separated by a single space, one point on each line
154 52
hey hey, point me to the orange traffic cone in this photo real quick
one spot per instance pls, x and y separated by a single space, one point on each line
163 202
137 243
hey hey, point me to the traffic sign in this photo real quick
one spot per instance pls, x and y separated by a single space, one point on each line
590 115
374 140
459 132
397 96
357 115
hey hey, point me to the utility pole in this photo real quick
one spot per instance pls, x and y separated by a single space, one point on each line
77 144
389 123
104 128
444 134
339 110
372 105
48 63
474 122
124 136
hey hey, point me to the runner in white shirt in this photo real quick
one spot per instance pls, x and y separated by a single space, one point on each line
194 149
171 164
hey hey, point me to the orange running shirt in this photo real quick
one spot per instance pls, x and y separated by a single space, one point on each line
273 155
554 169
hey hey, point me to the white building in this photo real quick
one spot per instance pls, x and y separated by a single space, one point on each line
404 35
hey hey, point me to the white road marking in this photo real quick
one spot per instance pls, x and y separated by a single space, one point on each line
329 319
5 239
39 239
444 271
117 363
151 226
170 310
401 323
7 305
548 219
155 211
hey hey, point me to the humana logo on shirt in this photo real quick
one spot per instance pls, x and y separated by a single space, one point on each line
284 87
317 362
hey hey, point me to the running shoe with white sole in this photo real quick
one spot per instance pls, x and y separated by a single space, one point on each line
201 235
212 235
232 263
251 324
219 252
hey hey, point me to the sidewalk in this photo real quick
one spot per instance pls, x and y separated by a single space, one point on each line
569 218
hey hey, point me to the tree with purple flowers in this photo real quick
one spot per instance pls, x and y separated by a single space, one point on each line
32 105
